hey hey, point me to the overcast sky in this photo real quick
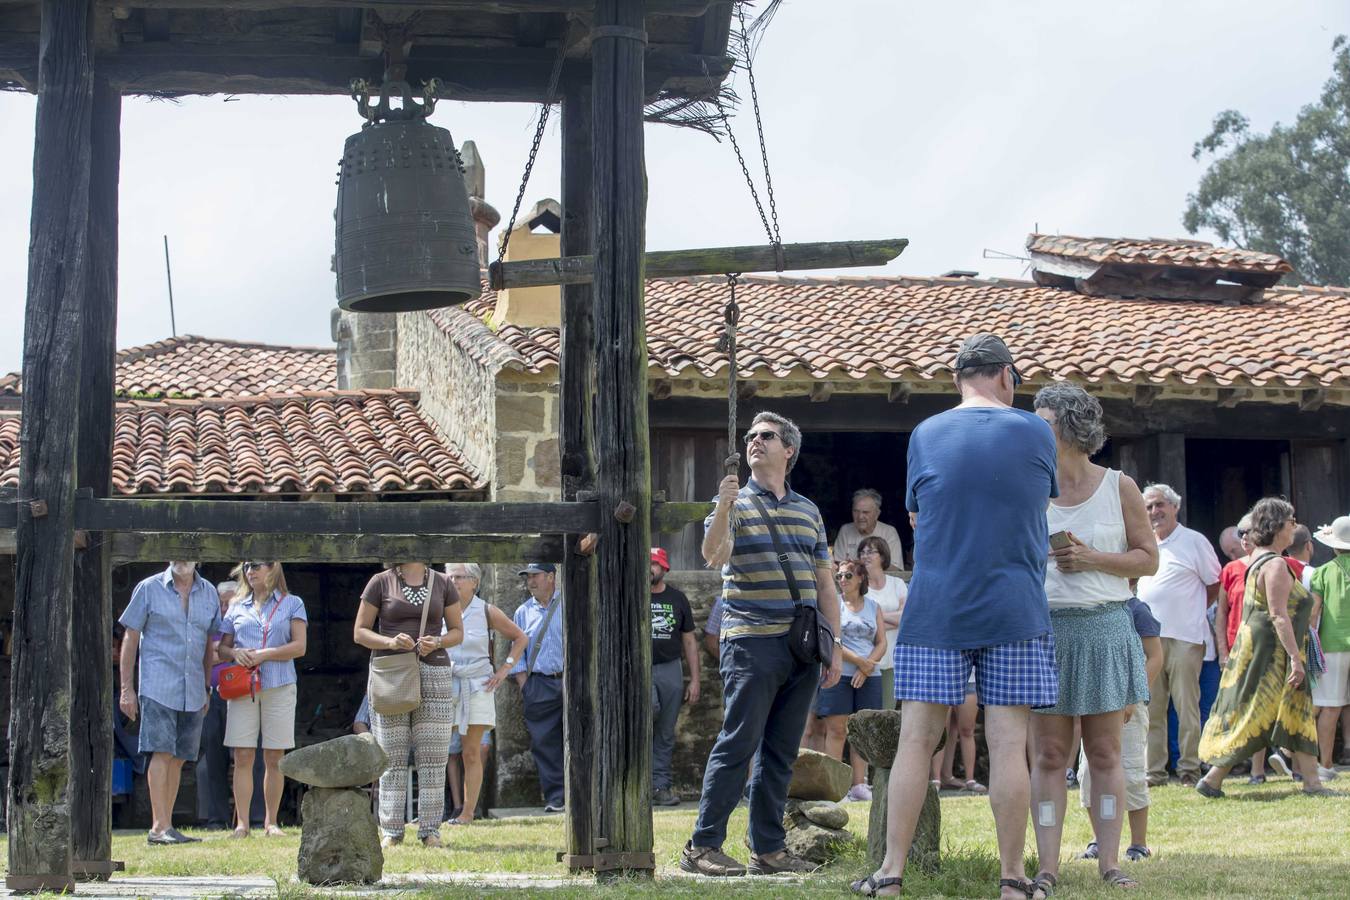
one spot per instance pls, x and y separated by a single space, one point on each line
959 125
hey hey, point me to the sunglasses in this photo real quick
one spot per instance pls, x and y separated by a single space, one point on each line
764 436
461 578
846 576
250 566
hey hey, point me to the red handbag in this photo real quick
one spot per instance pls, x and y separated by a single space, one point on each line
236 681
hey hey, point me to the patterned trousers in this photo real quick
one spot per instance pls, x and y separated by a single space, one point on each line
426 730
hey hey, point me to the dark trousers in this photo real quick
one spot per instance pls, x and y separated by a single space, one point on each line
768 696
667 695
544 721
213 768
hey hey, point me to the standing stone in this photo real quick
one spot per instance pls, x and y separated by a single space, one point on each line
339 838
816 776
926 850
351 760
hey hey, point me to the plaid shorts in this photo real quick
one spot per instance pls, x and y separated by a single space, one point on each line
1021 673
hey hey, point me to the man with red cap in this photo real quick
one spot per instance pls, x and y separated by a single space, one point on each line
672 634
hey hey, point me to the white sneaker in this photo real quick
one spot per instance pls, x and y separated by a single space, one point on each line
1278 763
1326 774
858 793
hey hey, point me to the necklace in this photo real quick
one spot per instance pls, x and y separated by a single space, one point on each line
414 595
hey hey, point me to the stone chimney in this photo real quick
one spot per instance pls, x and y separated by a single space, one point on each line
538 236
485 215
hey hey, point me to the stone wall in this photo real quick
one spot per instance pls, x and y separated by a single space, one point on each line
367 349
456 390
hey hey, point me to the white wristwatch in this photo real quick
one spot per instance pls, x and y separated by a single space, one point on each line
510 661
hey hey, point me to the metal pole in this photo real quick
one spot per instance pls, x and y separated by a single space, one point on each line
168 276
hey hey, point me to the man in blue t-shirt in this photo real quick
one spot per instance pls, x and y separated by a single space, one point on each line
980 477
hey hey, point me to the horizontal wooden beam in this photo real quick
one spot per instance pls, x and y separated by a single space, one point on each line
1163 289
334 548
662 7
705 261
506 74
374 523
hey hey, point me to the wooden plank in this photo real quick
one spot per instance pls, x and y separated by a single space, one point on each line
576 366
1164 289
333 548
365 518
674 515
91 731
704 261
39 725
662 7
623 464
507 74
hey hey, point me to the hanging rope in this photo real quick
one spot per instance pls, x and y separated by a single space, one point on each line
731 315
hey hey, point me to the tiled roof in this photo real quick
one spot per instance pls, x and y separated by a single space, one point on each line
192 366
315 442
910 328
1155 252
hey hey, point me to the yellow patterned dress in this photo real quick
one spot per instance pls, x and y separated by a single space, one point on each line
1256 708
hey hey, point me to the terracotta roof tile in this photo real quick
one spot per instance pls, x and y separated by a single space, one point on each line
910 328
321 441
1156 252
192 366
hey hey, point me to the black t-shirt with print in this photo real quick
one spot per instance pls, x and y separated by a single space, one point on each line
671 617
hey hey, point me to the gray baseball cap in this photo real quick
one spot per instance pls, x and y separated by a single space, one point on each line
985 349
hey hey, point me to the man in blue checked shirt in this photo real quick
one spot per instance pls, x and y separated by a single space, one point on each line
169 622
539 674
767 692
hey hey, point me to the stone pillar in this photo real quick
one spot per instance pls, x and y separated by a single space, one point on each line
526 469
367 349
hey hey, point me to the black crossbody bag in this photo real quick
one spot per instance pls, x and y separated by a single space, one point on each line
809 637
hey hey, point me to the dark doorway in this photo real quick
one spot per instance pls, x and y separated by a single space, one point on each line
1225 477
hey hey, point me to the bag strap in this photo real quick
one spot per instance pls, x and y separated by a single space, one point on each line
539 635
267 626
779 550
426 607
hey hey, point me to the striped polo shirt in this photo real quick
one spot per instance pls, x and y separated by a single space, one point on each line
756 599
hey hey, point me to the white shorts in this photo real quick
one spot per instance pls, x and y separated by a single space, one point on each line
1333 685
482 709
272 711
1133 750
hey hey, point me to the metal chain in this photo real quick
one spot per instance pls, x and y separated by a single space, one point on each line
544 109
727 343
774 236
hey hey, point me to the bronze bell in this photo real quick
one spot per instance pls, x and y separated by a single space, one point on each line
405 236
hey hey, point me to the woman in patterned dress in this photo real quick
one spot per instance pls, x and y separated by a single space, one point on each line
1264 699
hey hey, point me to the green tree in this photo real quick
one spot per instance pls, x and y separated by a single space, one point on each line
1286 192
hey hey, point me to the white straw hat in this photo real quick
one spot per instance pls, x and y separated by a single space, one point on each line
1336 535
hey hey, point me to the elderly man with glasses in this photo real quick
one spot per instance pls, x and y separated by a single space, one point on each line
768 692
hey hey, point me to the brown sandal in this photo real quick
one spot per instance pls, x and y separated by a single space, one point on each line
1117 878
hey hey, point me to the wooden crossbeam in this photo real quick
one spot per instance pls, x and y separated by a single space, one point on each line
334 548
373 522
704 261
663 7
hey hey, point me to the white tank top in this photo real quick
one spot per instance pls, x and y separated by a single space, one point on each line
471 655
1099 523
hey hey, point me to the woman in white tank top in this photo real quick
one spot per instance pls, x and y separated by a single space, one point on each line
476 678
1099 540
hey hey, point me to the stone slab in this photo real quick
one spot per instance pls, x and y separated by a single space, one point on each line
168 887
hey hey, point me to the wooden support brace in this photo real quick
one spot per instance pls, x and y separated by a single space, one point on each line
821 391
1145 394
704 261
1312 399
1231 397
898 392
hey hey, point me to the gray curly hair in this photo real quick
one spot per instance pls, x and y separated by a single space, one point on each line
1078 415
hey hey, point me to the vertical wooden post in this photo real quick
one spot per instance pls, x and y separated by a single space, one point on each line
39 727
576 365
623 459
91 626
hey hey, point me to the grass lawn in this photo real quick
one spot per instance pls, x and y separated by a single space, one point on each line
1259 842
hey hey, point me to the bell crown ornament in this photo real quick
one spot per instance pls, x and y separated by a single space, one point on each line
405 233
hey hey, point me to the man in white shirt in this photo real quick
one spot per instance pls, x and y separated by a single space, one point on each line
866 516
1186 584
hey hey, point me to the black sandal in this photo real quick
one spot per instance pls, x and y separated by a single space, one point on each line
1117 878
869 886
1045 882
1016 884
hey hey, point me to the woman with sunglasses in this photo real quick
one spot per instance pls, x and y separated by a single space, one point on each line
264 628
863 632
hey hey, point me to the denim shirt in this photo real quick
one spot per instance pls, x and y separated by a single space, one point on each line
245 621
529 616
173 644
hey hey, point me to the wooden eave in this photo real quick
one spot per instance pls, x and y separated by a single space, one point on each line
481 51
